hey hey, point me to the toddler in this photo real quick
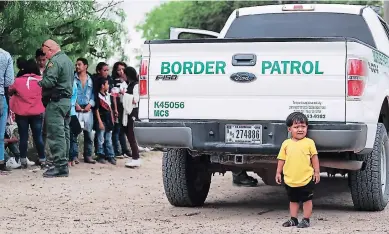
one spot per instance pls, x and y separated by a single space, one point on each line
299 164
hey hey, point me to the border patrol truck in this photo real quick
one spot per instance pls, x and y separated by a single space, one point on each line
219 104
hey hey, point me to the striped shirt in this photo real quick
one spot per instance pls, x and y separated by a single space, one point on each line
7 76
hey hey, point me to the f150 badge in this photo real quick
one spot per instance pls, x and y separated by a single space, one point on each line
243 77
166 77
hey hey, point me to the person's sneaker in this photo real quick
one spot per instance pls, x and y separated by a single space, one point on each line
23 163
144 149
100 160
4 168
29 163
43 164
57 172
119 156
133 163
244 180
304 223
112 160
89 159
12 163
127 155
291 222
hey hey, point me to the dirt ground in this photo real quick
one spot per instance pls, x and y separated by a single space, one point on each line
107 199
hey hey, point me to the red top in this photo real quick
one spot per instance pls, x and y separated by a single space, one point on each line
27 96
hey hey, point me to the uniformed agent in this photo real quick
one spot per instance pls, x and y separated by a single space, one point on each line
57 86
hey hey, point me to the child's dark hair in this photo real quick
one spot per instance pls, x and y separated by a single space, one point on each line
296 117
131 74
100 81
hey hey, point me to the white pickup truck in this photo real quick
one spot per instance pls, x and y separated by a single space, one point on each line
220 104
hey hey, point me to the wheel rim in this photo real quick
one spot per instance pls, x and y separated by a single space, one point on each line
383 168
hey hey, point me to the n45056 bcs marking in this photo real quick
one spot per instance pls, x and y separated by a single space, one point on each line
169 105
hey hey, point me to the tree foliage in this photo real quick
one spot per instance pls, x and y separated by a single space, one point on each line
208 15
161 18
82 28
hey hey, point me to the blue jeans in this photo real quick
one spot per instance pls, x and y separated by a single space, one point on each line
88 145
104 144
35 122
119 140
3 122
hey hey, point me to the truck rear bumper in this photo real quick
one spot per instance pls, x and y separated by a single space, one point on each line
209 136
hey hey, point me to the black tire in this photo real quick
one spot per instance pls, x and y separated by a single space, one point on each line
186 179
365 185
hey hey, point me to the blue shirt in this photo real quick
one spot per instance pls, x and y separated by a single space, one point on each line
73 99
7 76
85 94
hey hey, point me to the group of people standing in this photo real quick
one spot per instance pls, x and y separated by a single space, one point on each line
99 104
59 103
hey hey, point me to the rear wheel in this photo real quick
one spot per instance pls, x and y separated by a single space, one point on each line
369 188
185 178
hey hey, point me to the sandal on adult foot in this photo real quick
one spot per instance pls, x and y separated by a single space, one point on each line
303 224
290 223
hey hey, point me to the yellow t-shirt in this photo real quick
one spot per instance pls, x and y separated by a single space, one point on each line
298 170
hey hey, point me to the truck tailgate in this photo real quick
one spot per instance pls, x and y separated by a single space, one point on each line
247 80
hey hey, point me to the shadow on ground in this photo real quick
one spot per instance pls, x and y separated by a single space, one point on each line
330 194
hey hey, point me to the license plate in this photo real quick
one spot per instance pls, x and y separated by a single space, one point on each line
250 134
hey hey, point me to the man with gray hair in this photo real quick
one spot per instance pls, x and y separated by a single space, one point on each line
6 80
57 88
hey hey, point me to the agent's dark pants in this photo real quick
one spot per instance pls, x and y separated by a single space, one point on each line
57 128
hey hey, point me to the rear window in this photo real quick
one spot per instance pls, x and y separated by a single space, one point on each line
302 24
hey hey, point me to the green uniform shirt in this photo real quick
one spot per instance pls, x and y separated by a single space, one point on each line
58 75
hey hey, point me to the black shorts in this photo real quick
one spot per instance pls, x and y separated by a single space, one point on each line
300 194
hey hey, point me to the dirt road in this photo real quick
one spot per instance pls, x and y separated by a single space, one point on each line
108 199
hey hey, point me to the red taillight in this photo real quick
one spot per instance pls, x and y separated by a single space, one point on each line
143 87
144 70
356 67
355 88
356 73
